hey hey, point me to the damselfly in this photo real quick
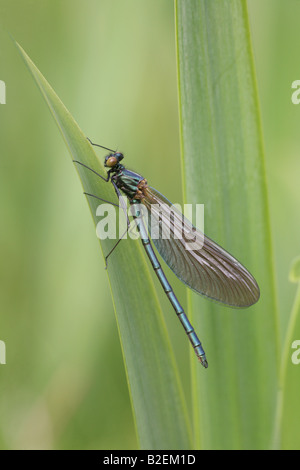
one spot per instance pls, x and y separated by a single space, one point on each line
207 269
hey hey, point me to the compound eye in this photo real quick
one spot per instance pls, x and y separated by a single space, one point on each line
111 161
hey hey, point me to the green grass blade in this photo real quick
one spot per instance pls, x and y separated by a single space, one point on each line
223 164
287 435
156 394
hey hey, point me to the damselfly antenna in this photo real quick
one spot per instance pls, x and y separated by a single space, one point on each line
97 145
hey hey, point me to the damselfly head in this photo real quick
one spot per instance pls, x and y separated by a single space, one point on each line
113 159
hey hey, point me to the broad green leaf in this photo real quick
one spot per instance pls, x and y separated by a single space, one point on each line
156 394
223 165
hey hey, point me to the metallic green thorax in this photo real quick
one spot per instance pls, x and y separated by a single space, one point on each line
127 181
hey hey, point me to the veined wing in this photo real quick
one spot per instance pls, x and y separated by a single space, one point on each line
206 268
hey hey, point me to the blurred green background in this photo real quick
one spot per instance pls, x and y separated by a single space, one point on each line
113 64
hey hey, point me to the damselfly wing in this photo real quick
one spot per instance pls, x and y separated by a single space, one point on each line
207 269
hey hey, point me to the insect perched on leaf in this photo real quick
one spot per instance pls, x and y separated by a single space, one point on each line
206 268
